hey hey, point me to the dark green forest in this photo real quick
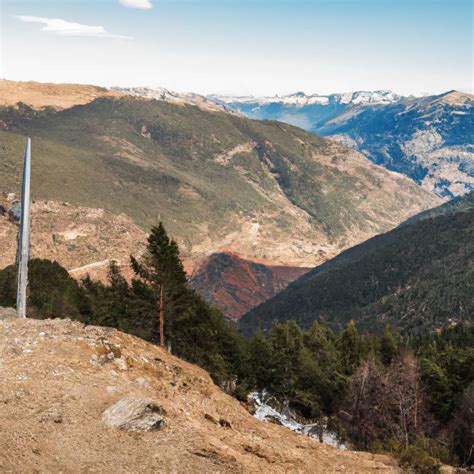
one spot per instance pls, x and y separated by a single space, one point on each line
412 396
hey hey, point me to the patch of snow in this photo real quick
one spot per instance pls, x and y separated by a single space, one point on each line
160 93
264 412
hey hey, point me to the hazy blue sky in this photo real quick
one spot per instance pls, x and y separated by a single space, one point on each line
262 47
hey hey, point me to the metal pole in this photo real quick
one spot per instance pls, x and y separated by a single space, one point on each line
162 319
24 236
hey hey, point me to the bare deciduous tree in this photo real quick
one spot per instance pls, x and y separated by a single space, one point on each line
384 403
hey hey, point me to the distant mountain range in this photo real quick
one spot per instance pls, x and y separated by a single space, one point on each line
429 139
267 191
160 93
302 99
418 278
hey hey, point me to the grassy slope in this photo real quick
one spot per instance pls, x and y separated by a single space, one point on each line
415 277
152 160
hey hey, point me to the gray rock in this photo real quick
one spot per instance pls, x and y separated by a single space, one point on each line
7 313
134 414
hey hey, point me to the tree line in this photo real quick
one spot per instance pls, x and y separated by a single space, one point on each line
410 396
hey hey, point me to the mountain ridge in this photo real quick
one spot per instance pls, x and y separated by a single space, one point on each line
218 181
301 98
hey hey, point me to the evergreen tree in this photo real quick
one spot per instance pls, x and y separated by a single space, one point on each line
388 345
116 297
163 270
287 344
261 362
195 330
349 344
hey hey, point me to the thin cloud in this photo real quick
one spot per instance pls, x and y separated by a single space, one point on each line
68 28
142 4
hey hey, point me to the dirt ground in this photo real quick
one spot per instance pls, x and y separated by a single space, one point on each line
58 377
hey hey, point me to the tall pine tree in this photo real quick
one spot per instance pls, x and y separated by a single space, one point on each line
163 270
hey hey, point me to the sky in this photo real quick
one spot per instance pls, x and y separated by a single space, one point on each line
260 47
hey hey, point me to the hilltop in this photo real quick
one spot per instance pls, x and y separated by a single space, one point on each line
417 278
59 377
39 95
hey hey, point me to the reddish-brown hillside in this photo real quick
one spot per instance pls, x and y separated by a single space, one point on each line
237 285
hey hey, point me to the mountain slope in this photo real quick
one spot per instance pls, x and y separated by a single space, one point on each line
59 377
464 203
267 191
236 285
83 240
427 138
418 277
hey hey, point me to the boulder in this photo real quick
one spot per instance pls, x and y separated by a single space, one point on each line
134 414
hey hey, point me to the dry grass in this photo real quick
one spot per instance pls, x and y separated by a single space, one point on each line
53 391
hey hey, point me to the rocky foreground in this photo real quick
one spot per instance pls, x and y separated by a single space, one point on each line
82 398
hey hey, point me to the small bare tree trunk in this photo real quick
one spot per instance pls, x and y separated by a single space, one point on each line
162 319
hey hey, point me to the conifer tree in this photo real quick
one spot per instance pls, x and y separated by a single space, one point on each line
350 345
116 297
388 345
163 270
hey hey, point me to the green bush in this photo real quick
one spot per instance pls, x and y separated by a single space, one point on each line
419 460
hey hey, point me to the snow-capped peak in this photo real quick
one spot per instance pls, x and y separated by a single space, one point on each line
368 97
160 93
302 99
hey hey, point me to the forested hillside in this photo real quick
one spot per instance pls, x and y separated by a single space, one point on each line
418 277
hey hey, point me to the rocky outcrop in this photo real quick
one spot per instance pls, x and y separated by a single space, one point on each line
429 139
52 401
